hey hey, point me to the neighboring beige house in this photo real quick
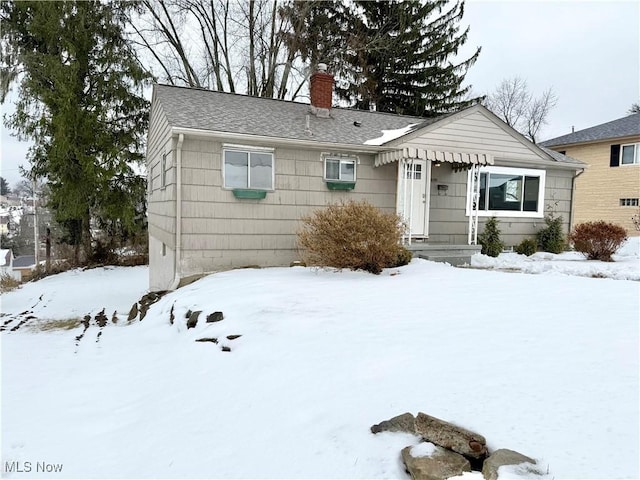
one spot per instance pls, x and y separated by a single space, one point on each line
610 188
230 176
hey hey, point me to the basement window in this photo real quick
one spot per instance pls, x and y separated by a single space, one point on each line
629 202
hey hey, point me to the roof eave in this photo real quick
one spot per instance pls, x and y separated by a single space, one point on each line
291 142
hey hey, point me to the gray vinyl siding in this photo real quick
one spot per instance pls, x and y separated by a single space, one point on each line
161 209
476 133
448 222
473 133
220 231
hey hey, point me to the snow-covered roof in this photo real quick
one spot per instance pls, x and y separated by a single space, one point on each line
5 257
388 135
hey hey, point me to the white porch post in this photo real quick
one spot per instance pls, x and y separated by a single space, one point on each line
411 175
474 204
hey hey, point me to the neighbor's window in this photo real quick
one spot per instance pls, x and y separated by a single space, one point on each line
340 169
629 154
629 202
248 169
513 192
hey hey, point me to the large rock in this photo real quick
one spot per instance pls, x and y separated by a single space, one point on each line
450 436
439 465
401 423
503 457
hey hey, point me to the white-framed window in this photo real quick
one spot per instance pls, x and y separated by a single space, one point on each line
248 167
510 192
629 202
629 154
340 169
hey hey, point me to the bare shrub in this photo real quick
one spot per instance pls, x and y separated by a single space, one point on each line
354 235
598 240
8 283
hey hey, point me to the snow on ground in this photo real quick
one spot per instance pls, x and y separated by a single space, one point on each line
625 267
543 364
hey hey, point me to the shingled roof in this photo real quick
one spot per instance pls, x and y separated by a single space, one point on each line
235 113
622 127
227 112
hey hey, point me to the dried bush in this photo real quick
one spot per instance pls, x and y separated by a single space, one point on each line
490 240
598 240
527 247
354 235
551 239
8 283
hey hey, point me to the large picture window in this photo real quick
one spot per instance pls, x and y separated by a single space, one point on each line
515 192
248 169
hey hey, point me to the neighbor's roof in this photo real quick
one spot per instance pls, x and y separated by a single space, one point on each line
622 127
24 261
228 112
560 157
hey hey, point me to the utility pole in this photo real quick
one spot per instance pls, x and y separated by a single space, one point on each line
36 246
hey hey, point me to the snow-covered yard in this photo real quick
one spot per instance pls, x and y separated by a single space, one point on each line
545 364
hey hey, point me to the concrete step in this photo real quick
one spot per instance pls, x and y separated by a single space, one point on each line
455 260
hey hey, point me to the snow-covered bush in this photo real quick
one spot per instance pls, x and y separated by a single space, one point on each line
354 235
490 240
598 240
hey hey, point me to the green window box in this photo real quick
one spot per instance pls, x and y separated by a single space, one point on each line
341 185
246 193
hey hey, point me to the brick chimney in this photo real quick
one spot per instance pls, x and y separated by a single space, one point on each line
321 92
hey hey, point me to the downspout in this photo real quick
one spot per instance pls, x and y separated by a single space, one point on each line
573 198
176 278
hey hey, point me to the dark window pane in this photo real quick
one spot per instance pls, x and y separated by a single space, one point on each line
628 154
332 169
505 192
531 192
483 192
347 171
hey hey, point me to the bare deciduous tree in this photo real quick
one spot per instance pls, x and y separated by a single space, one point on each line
635 108
515 104
224 45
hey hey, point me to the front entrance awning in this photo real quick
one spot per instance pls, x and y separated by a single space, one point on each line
459 159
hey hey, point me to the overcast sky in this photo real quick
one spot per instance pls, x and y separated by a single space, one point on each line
588 52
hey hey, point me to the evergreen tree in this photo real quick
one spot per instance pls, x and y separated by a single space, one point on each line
80 101
400 57
4 187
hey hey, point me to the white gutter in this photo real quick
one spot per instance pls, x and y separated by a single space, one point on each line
572 210
176 278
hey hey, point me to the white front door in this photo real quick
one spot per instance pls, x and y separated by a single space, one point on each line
413 197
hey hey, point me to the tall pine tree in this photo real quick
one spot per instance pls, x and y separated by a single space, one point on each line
80 101
400 57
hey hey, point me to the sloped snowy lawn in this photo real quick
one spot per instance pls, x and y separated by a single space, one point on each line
543 364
